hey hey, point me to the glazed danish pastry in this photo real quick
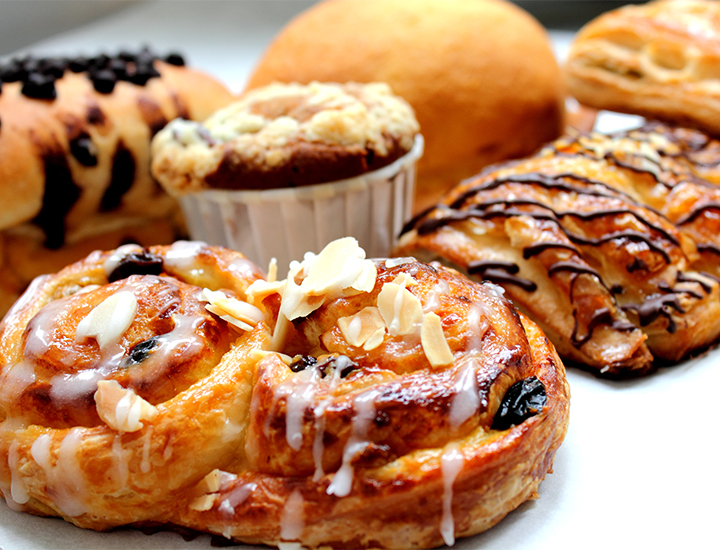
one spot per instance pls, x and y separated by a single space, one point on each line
659 60
575 238
374 403
106 387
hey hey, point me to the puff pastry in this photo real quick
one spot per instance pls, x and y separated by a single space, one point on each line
361 403
577 237
660 60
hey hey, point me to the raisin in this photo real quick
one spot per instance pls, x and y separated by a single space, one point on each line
522 400
140 352
304 362
141 263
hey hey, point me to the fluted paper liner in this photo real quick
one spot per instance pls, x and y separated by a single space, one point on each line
286 223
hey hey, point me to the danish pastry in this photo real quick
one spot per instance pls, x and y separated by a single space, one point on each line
362 403
75 155
577 238
659 60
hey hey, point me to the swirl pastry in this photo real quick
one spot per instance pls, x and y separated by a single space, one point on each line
577 237
659 60
75 156
363 403
106 387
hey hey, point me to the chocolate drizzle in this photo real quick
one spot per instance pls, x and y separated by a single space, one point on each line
601 317
123 176
500 272
59 196
656 306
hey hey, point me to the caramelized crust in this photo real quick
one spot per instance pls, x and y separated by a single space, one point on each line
357 404
580 236
660 60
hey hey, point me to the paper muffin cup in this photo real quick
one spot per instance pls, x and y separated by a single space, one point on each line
286 223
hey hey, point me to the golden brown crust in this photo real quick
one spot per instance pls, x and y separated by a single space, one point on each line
379 442
659 60
476 102
577 237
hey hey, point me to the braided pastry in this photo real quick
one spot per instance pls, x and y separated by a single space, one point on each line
356 404
659 60
75 156
577 237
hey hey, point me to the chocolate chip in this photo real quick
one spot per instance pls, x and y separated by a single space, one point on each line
126 55
12 71
39 86
84 150
522 400
140 263
104 81
54 66
99 61
121 178
143 73
175 59
79 64
119 67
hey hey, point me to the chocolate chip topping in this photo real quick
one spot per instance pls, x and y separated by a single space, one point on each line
84 150
38 74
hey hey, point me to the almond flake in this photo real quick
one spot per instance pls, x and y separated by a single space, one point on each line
259 290
109 320
394 262
209 484
272 271
434 342
375 339
202 503
122 409
241 314
359 328
400 309
404 280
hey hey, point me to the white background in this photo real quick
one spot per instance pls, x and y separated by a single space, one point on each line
639 466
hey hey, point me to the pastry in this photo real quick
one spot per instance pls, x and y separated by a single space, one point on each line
660 60
75 155
358 403
260 174
574 236
480 74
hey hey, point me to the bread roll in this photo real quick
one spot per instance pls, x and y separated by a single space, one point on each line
480 74
75 154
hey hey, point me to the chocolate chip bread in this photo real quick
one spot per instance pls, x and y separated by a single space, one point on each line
75 154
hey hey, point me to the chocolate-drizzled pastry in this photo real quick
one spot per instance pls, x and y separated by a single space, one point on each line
570 236
84 125
673 170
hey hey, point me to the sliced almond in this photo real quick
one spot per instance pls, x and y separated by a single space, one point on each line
400 309
210 483
259 290
434 342
109 320
359 328
375 339
240 314
272 271
122 409
202 503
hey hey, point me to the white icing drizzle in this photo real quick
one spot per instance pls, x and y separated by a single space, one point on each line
147 440
466 400
451 463
64 480
14 379
364 406
341 362
122 467
182 255
292 519
476 328
300 393
237 496
243 267
18 491
432 300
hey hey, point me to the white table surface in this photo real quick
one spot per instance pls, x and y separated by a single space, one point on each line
639 465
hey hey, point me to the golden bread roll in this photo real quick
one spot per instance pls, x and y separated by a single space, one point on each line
358 403
480 74
660 60
75 149
577 236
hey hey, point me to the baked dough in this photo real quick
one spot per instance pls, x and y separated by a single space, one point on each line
576 238
383 404
660 60
75 156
